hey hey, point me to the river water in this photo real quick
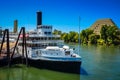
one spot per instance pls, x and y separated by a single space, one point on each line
98 63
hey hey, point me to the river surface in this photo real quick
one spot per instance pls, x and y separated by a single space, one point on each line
98 63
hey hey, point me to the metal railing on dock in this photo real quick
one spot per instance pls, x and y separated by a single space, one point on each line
8 54
6 32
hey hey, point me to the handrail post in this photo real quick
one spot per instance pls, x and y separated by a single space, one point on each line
24 48
24 40
7 45
23 44
8 48
15 47
2 41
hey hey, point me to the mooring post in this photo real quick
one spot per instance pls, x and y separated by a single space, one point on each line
2 42
23 40
8 47
23 45
15 46
24 36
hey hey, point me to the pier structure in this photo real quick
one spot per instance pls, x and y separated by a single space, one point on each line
8 56
6 32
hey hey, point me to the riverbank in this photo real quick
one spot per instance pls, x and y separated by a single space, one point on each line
73 43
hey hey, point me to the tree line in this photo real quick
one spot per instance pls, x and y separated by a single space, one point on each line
72 36
108 35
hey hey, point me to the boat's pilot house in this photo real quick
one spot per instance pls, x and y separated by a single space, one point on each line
66 48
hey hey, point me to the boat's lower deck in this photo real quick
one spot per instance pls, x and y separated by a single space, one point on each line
62 66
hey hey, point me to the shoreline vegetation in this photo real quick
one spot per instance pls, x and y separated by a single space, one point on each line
109 35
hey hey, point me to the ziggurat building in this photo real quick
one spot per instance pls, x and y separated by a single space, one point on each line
96 27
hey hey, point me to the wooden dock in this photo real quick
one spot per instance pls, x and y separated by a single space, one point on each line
4 60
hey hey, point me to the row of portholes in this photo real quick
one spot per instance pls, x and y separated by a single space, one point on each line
38 53
49 53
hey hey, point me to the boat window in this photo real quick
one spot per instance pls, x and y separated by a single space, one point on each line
45 38
45 32
49 33
55 44
49 38
28 52
37 52
41 38
67 52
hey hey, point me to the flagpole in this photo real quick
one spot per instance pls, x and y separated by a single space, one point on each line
79 36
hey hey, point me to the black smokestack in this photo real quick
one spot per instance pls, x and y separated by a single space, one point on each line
39 18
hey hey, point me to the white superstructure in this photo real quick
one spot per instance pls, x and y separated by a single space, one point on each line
42 44
55 53
40 38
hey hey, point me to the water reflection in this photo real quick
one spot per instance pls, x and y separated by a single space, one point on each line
22 73
100 62
83 71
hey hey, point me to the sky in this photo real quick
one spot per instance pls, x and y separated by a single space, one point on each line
61 14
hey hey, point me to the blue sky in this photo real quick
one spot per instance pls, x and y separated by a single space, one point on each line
62 14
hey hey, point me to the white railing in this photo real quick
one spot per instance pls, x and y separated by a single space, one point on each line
44 41
39 35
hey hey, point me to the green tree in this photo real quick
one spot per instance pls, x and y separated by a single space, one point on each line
88 32
93 38
72 35
57 32
76 37
111 33
103 33
84 35
64 36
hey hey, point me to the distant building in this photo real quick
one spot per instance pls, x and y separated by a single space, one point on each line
96 27
15 26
